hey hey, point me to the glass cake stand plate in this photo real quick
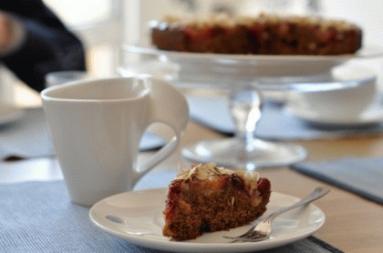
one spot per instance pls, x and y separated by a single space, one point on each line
228 70
246 77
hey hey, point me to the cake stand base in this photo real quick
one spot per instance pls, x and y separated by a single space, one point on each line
233 153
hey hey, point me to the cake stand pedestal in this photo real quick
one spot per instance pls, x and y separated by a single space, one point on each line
246 77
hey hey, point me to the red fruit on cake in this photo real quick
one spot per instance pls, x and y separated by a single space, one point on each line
208 198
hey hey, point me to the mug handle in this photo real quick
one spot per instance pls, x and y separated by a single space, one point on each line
168 106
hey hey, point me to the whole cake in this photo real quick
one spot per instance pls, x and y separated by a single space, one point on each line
263 34
208 198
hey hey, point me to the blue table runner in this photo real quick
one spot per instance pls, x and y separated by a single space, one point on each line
38 217
362 176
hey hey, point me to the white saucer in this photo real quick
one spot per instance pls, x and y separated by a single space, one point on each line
373 115
9 113
137 217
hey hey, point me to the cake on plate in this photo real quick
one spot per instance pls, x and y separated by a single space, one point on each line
263 34
207 198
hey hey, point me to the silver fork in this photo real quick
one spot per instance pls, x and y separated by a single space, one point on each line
262 229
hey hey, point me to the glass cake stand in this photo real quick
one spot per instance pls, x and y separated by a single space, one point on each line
246 77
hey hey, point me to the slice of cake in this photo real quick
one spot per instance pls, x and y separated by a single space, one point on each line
208 198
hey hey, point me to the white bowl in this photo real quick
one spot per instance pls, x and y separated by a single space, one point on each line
343 103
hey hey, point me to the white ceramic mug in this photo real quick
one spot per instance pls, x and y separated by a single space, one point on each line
97 125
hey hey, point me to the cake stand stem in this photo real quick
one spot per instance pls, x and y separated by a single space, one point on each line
245 151
245 107
246 110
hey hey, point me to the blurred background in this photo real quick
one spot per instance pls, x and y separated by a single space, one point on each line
104 25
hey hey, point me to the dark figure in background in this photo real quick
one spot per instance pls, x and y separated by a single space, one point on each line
34 42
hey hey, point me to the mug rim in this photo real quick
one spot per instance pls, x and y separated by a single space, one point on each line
46 97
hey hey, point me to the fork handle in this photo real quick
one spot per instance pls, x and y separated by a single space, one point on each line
317 193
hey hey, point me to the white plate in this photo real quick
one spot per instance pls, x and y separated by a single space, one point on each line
9 113
137 217
226 70
373 115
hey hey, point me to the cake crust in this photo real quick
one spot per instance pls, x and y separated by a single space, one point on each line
207 198
264 34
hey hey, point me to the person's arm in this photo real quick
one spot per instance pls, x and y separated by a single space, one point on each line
47 45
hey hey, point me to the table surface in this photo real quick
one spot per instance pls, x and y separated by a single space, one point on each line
353 224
